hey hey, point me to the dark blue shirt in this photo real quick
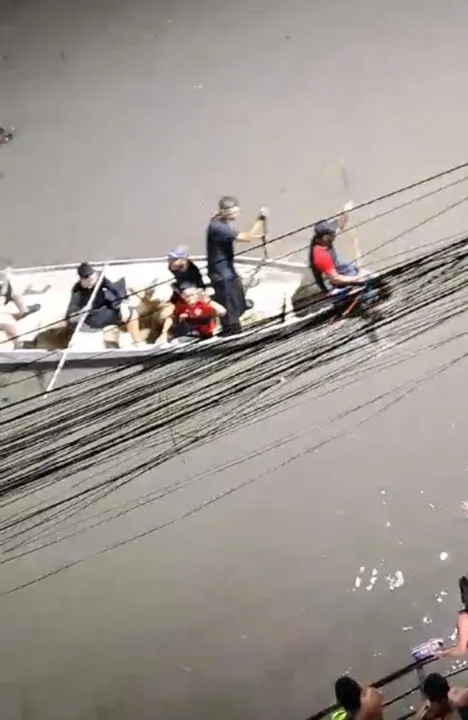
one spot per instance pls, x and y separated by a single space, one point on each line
220 238
109 294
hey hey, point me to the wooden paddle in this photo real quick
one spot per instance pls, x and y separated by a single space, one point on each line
348 206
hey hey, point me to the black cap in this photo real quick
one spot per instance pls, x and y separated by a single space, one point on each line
326 227
85 270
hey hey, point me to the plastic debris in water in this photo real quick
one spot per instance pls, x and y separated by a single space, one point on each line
396 581
426 620
443 556
427 649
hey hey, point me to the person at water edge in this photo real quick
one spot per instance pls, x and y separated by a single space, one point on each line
9 295
443 701
357 702
198 312
184 270
461 647
109 306
220 238
329 271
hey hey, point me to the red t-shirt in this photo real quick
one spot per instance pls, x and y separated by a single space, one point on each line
200 316
322 260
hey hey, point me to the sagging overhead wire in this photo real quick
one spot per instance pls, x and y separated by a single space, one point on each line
116 371
368 203
126 415
405 392
111 378
386 213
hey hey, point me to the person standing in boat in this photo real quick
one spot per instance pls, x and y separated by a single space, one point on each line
109 305
329 271
357 702
184 270
461 648
220 238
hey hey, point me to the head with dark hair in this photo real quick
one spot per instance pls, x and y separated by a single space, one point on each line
228 207
436 688
348 693
463 585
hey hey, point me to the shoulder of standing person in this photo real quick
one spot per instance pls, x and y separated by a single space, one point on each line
372 700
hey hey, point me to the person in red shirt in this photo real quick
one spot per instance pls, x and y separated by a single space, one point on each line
328 270
198 311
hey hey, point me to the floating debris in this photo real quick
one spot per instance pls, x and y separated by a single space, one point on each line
396 580
407 627
443 556
426 620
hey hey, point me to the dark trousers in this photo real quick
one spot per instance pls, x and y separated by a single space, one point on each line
230 294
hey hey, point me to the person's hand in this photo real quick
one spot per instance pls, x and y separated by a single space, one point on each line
364 275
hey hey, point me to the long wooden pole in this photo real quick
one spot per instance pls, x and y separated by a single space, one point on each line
79 325
349 206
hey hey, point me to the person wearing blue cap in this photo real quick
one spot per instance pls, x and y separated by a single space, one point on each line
329 271
220 238
184 270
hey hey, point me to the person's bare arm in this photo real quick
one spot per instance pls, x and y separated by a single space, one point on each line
462 643
220 310
338 280
459 696
343 218
256 232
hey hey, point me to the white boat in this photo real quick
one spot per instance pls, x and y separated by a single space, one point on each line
271 285
284 297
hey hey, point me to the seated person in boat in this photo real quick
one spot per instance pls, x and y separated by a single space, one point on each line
197 312
8 319
109 305
330 272
184 270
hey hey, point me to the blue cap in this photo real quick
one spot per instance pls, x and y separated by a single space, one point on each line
326 227
179 253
